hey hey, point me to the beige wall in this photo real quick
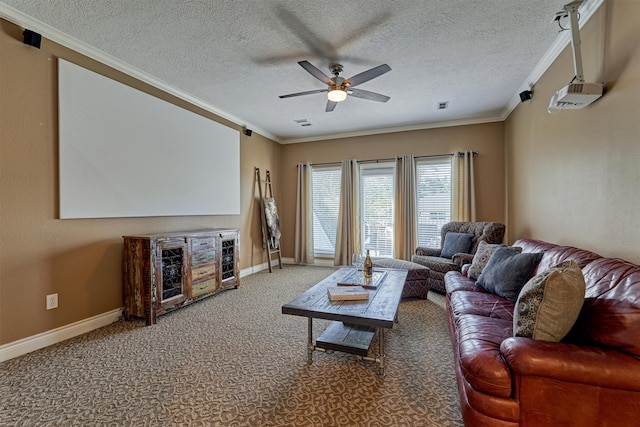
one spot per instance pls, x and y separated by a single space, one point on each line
486 139
78 259
81 259
573 178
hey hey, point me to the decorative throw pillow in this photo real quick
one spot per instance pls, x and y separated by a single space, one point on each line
507 271
455 243
549 303
482 256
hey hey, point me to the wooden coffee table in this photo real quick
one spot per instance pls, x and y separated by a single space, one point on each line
355 323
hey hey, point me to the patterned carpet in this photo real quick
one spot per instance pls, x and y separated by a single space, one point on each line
235 360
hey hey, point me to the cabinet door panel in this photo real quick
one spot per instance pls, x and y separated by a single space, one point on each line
171 268
229 260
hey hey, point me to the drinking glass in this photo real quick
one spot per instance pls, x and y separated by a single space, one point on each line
358 261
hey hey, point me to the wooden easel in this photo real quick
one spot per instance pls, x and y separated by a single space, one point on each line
269 242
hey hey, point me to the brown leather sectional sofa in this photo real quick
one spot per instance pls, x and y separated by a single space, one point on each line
590 378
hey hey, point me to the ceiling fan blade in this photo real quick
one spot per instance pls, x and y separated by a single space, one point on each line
365 76
319 47
330 106
315 72
365 94
309 92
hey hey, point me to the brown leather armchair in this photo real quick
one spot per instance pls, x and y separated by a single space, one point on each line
490 232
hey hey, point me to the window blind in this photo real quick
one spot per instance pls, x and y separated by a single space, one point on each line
433 195
376 198
326 205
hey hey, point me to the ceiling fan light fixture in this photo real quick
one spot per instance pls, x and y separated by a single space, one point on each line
337 95
338 88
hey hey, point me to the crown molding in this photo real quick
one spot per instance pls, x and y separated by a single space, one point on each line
587 10
377 131
25 21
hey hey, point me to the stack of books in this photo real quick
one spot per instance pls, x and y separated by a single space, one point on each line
347 293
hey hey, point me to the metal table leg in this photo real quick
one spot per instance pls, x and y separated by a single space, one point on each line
310 346
381 356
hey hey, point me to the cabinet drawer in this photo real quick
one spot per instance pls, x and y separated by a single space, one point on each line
202 258
202 244
204 287
203 251
203 272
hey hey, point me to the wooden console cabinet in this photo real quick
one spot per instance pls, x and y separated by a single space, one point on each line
163 272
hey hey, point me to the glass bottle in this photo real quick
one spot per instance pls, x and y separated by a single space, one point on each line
368 266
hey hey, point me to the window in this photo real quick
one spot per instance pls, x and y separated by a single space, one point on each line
433 182
376 198
326 205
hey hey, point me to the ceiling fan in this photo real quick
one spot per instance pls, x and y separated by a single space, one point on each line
338 87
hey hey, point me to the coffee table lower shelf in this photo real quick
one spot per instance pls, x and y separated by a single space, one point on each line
353 339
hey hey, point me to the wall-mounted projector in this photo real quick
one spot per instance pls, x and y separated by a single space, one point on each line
576 95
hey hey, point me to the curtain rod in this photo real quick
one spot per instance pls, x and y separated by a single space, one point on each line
459 153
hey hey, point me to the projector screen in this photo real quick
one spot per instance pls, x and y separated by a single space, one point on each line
125 153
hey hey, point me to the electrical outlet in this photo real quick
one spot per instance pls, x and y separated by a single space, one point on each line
52 301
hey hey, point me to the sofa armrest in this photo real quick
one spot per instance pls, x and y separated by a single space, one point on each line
461 259
599 366
425 251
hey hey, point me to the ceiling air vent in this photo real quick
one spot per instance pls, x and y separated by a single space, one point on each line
302 122
443 105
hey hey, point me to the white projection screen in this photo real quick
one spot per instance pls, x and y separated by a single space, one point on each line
125 153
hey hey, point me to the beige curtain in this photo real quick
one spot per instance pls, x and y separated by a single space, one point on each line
464 199
348 233
405 229
303 238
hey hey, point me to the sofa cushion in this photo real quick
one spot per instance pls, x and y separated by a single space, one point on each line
456 281
482 256
549 303
507 271
481 304
455 243
481 363
610 315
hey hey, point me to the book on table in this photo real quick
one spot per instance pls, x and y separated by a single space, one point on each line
347 293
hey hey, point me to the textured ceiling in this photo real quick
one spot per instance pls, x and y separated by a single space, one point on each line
239 55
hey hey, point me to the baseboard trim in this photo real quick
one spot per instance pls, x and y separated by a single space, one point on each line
54 336
324 262
258 268
45 339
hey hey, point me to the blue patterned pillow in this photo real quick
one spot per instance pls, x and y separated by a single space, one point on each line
456 243
507 271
